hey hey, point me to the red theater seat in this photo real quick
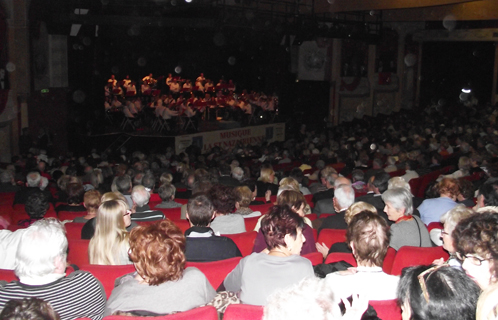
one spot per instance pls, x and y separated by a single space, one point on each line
78 252
331 236
243 312
68 215
201 313
216 271
251 223
415 256
315 258
108 274
73 230
244 240
387 309
339 256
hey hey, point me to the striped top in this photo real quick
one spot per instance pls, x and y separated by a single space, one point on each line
78 295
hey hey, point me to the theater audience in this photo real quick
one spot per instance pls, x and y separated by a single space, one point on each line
161 283
91 201
75 193
243 196
36 207
431 210
140 197
33 185
41 266
343 198
167 194
202 244
260 274
266 181
225 222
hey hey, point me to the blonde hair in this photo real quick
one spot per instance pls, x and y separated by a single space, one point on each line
288 181
243 196
356 208
110 238
108 196
265 174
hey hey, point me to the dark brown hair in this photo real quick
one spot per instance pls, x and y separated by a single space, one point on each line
279 221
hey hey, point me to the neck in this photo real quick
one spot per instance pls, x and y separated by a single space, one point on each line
279 252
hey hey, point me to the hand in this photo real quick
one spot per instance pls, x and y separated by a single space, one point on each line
4 223
356 309
267 195
322 248
438 262
349 271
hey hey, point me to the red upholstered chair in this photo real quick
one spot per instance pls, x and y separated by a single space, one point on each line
173 213
414 256
387 309
78 252
243 312
331 236
18 216
312 216
7 275
315 234
315 258
216 271
397 173
263 208
182 201
68 215
338 256
244 240
108 274
154 197
435 225
325 215
73 230
182 224
389 260
251 223
415 184
309 198
203 313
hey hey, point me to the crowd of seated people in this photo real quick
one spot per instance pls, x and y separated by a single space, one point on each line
207 192
178 97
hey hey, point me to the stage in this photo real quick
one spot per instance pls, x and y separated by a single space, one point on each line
224 134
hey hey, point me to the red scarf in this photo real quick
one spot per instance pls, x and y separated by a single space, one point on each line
404 218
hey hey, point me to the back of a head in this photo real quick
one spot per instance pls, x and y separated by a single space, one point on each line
489 190
158 252
123 183
224 169
41 244
149 181
28 309
291 198
369 234
75 192
243 196
448 186
166 192
279 221
200 210
344 195
438 293
381 180
223 198
297 174
357 175
91 200
33 179
399 198
238 173
36 205
289 181
140 195
110 218
398 182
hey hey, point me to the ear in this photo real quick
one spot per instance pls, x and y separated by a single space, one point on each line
237 205
480 201
60 264
288 240
352 247
214 215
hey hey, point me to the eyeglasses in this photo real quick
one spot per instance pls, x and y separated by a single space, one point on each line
422 280
444 232
472 259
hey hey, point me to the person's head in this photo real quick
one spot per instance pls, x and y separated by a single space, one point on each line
165 178
140 196
223 199
343 196
112 196
464 164
33 179
123 184
368 236
450 219
42 250
267 174
476 239
311 298
328 176
466 189
243 196
289 182
6 177
36 205
437 293
158 252
283 228
149 181
297 174
91 200
488 194
113 216
380 181
200 210
398 203
398 182
448 187
238 173
341 180
294 199
28 309
356 208
75 192
357 175
167 192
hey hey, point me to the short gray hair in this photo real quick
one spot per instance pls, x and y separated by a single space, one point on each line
238 173
140 196
398 182
452 217
6 176
33 179
344 194
166 191
399 198
41 243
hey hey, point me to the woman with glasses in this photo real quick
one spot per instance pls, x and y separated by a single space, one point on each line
476 241
437 293
450 219
109 244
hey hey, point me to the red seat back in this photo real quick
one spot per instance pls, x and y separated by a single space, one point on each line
414 256
315 258
182 224
338 256
435 225
204 313
389 260
108 274
397 173
78 252
172 213
415 185
243 312
69 215
263 208
73 230
7 275
386 309
251 223
312 216
331 236
216 271
244 241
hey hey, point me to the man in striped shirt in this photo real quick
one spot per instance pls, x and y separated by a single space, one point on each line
40 266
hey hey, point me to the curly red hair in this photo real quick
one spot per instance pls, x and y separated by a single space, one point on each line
158 252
